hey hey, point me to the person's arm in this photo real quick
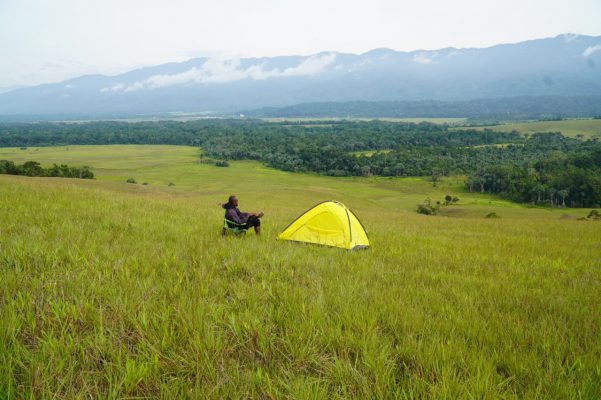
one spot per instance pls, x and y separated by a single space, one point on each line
254 214
244 216
233 216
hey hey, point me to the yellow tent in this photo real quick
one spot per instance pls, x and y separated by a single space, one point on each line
330 224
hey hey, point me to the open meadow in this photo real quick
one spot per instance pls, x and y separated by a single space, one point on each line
117 290
588 128
448 121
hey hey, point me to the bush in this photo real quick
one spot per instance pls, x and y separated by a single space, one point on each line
448 200
492 215
145 183
222 163
171 184
427 208
131 180
594 215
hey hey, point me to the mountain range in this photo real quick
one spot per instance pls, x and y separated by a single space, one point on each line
566 65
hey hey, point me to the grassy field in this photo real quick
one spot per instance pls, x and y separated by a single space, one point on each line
115 290
589 128
369 153
449 121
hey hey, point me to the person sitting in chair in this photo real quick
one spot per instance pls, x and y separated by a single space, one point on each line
241 219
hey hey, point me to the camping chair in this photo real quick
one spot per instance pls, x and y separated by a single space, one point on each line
233 227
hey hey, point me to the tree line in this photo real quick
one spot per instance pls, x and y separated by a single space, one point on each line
34 168
560 180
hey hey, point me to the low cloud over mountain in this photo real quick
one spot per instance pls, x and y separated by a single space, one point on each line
223 71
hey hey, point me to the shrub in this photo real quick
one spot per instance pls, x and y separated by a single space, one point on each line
594 215
171 184
427 208
492 215
131 180
222 163
448 200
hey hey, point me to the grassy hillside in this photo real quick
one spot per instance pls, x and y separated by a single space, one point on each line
589 128
159 165
119 290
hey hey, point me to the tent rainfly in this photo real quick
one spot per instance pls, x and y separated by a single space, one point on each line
330 224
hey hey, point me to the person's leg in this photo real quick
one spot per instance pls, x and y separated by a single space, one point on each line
254 222
257 225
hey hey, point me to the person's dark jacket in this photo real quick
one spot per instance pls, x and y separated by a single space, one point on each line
235 215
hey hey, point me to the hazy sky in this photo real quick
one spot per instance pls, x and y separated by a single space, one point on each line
50 40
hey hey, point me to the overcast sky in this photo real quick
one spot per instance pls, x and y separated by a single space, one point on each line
50 40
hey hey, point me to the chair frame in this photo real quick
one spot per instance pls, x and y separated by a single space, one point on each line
236 230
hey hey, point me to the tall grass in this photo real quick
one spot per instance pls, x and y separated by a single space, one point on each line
112 290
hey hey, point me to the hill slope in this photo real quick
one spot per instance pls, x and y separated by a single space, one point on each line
118 290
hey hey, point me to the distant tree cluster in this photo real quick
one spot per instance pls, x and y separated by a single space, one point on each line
34 168
560 180
240 137
396 149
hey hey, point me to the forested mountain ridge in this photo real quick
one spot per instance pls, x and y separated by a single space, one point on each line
498 109
566 65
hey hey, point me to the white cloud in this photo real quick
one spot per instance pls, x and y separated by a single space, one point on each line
570 37
311 65
591 50
115 88
365 62
422 58
221 71
212 71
